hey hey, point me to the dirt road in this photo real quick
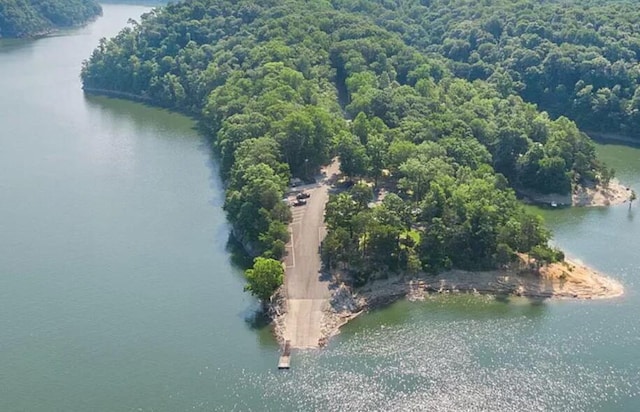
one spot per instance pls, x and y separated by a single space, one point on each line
307 293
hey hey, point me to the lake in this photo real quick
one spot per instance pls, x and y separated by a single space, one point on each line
118 290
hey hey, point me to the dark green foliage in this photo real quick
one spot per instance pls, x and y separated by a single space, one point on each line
264 277
354 160
574 58
24 18
272 81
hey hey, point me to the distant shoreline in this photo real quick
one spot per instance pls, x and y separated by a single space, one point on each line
53 29
612 138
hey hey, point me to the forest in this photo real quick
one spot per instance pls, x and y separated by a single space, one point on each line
28 18
576 58
282 86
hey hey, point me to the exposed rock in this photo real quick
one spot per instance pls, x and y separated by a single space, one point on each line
569 280
342 300
276 310
584 196
613 194
249 247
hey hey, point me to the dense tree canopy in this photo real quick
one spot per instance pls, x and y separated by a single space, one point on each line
273 81
574 58
24 18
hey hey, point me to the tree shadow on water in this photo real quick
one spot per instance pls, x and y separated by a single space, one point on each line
508 299
256 317
260 323
239 258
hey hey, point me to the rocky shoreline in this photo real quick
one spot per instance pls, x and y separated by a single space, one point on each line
565 280
582 196
276 310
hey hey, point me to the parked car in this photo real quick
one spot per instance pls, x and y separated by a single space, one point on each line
347 184
303 195
299 202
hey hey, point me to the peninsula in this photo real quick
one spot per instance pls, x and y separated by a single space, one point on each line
434 140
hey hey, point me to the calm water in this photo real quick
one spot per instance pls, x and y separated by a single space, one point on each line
117 292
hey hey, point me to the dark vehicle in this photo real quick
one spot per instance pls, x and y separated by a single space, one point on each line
347 184
303 195
299 202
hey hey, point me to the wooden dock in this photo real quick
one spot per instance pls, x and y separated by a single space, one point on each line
285 357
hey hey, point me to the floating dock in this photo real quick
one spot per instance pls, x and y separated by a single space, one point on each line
285 358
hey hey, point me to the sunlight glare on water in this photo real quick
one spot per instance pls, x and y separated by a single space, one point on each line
118 291
444 364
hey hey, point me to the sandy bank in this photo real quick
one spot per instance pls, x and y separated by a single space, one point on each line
566 280
613 194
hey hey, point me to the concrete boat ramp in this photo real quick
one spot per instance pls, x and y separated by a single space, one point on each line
307 294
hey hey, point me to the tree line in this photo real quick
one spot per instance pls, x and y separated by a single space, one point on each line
26 18
274 82
574 58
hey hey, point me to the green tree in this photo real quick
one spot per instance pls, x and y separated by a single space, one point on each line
353 156
362 194
264 278
272 82
376 150
27 18
544 255
340 212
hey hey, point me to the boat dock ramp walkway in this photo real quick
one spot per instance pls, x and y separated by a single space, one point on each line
285 358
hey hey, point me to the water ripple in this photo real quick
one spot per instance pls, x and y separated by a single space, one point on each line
443 365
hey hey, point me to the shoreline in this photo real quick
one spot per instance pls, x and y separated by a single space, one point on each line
569 279
116 94
54 30
612 138
582 196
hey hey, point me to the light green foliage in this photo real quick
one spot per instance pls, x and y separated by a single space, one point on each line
305 138
340 212
264 278
376 150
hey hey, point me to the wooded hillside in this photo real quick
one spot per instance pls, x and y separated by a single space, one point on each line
26 18
282 86
577 58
